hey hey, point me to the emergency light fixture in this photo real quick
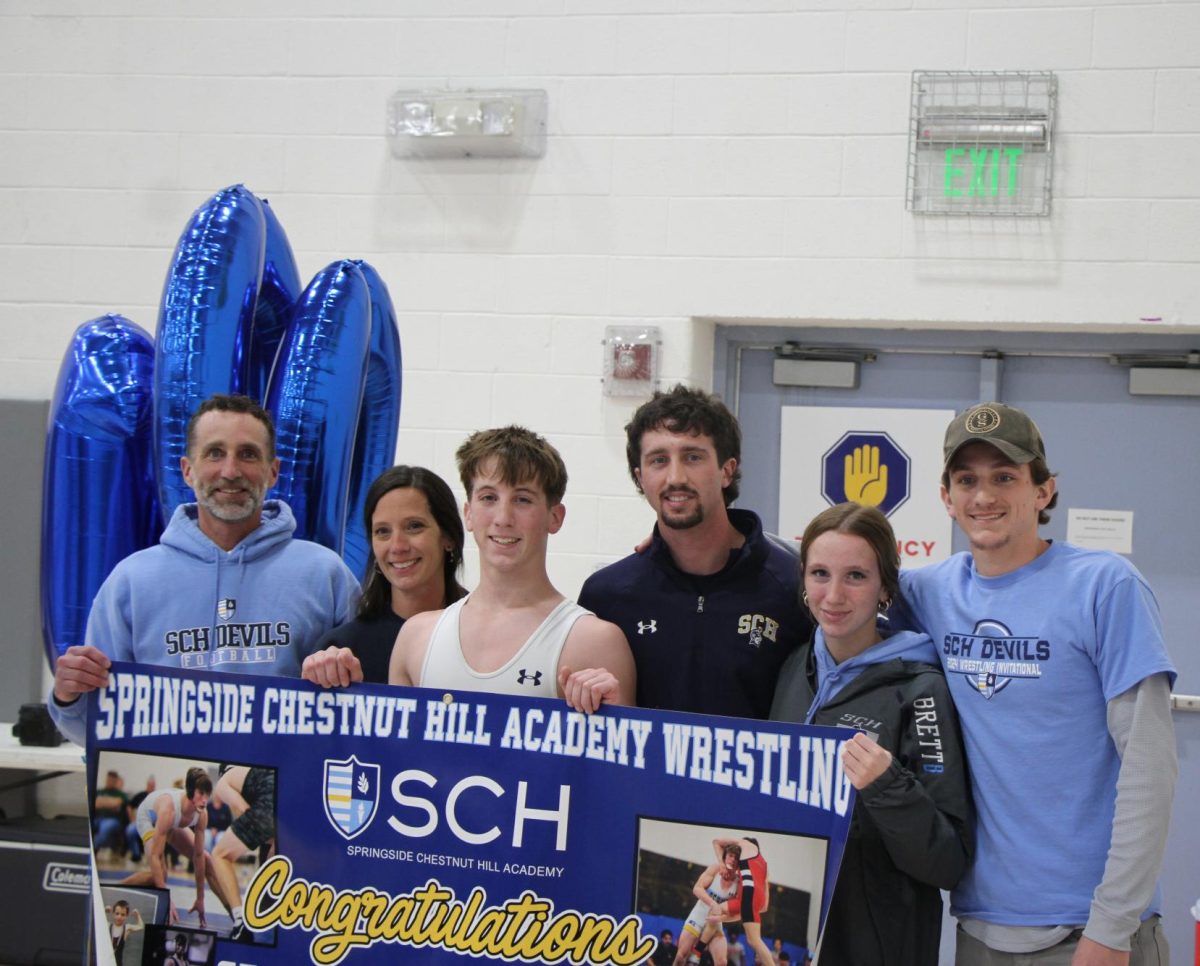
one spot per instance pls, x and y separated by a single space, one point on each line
467 124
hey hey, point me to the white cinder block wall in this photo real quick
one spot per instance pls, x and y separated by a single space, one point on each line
707 159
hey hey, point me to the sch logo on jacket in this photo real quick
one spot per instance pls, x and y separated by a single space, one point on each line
758 627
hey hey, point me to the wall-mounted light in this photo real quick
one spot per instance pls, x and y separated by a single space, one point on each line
953 127
465 124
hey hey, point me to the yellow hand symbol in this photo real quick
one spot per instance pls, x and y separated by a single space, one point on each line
866 479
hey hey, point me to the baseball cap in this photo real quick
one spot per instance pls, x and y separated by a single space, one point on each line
1009 430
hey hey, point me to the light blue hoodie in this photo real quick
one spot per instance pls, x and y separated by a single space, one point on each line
833 677
259 608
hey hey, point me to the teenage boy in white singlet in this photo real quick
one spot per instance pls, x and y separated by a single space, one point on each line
515 634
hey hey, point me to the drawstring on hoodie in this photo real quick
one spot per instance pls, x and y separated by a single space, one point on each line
183 533
833 677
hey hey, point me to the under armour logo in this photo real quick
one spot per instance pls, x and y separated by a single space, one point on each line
535 677
651 626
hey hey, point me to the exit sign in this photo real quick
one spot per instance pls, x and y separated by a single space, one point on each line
981 142
972 172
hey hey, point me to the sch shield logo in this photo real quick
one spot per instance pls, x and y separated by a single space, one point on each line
351 795
866 468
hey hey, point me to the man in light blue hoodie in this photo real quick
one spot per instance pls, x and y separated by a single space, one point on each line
228 588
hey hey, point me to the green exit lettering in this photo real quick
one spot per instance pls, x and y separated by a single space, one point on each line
975 172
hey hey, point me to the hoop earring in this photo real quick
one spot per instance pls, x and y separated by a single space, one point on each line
804 598
884 607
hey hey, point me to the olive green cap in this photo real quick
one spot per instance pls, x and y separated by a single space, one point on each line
1010 430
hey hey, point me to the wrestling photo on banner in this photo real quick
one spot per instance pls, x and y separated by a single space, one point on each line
421 826
177 946
174 857
710 887
129 912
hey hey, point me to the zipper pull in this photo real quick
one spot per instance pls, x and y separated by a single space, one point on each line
700 604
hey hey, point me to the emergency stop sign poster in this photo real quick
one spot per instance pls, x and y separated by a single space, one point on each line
886 458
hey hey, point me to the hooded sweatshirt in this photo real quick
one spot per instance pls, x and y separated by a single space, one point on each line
832 678
259 608
910 834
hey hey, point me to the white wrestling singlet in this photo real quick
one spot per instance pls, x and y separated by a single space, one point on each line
147 816
532 671
720 891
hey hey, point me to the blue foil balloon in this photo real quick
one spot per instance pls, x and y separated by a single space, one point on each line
379 420
205 323
314 397
276 299
99 502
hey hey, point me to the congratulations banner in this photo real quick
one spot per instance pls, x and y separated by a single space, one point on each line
382 825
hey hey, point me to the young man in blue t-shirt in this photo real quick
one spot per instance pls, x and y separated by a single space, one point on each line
1056 661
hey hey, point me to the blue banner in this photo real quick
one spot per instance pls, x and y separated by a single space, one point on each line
382 825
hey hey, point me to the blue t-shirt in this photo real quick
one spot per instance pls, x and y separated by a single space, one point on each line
1032 658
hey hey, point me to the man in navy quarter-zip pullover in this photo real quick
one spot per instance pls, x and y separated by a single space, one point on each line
712 608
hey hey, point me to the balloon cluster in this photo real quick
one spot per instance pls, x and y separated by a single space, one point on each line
325 361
